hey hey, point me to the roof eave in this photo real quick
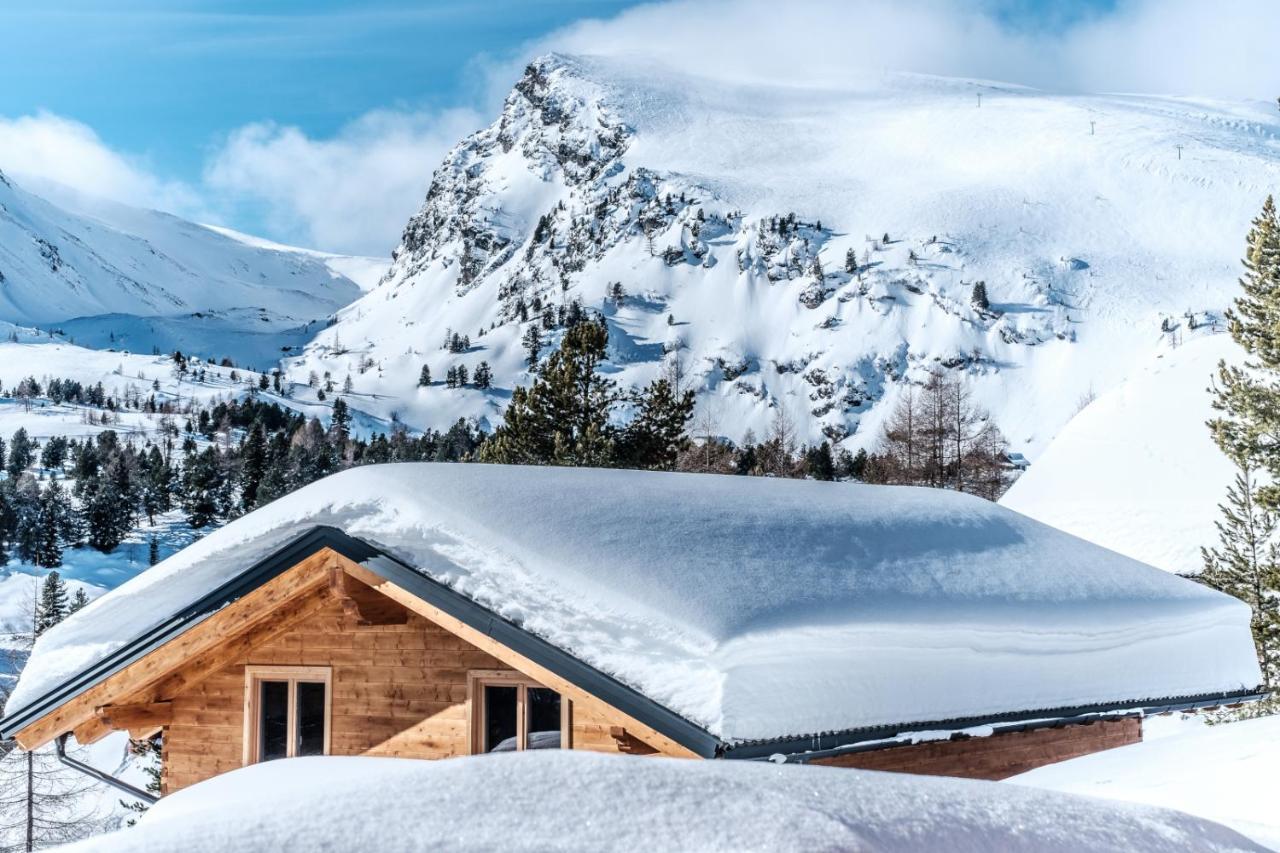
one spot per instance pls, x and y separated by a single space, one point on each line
869 738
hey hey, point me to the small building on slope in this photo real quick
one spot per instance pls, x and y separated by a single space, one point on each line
434 610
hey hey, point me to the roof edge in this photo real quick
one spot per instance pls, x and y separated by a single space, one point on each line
600 684
890 736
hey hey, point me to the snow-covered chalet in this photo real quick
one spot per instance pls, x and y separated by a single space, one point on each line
435 610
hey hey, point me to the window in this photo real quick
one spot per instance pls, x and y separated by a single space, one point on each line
510 712
286 712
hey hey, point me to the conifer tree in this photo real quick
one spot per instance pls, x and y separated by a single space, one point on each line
1246 562
21 453
78 601
253 463
532 342
850 261
484 375
424 378
657 434
563 418
52 607
341 420
979 297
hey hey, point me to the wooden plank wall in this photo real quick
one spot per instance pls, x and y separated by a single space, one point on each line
398 690
996 757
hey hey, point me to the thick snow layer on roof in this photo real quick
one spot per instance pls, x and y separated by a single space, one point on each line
757 608
537 801
1223 772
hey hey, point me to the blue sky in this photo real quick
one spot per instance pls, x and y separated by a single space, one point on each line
168 78
319 122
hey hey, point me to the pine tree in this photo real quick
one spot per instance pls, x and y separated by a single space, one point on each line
341 420
153 551
532 342
850 261
52 607
424 378
484 375
1246 564
451 377
563 418
657 434
21 453
253 463
78 601
819 463
979 297
203 488
463 378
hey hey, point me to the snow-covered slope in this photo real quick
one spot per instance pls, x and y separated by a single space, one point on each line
113 276
354 803
1222 772
1136 471
1099 225
759 608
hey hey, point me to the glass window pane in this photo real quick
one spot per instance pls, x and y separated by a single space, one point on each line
310 702
499 718
273 720
544 718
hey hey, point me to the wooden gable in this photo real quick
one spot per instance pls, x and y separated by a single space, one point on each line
399 665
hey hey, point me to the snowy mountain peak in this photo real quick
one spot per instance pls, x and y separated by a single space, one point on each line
813 250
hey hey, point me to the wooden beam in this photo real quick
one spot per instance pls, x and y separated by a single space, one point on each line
141 720
90 731
361 605
259 609
512 658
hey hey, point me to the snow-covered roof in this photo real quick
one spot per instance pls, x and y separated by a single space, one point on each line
756 608
366 803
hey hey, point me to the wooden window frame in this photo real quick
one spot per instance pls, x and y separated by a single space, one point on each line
478 679
254 675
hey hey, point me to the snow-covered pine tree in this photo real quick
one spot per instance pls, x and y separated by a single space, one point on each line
532 342
80 599
851 261
52 607
424 377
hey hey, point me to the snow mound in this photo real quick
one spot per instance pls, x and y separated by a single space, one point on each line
757 608
1136 471
1221 772
537 801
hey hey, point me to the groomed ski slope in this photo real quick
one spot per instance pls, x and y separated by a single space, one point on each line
758 608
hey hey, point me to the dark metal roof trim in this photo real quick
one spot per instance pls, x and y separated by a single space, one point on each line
883 737
276 563
607 688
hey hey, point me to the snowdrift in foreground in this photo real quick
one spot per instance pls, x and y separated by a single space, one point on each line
578 801
757 608
1223 772
1136 471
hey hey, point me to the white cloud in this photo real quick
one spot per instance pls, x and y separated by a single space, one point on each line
352 192
1222 49
48 147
